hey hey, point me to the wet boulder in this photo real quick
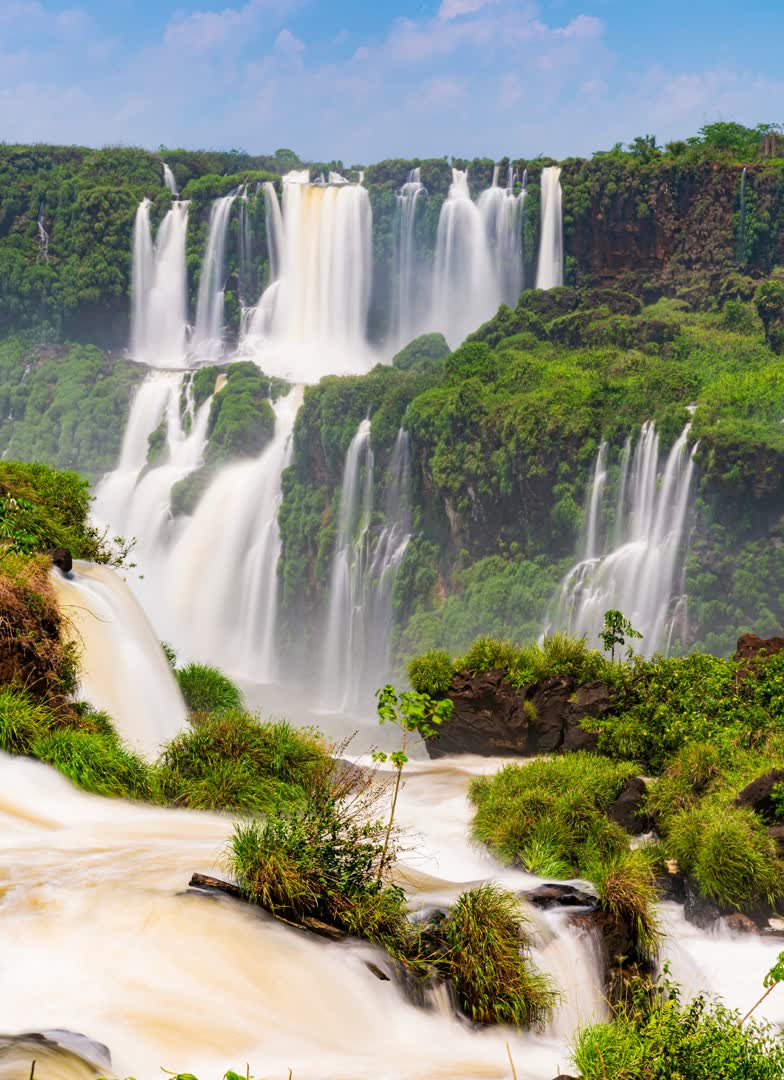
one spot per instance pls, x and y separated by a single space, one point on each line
491 717
556 895
62 559
758 795
628 809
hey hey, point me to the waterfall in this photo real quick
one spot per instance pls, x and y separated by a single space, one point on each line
43 236
159 287
312 319
549 271
208 334
640 569
501 212
408 314
348 571
123 670
464 287
168 179
231 547
742 229
245 249
364 568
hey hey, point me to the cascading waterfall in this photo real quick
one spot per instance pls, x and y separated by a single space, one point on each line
641 569
43 236
245 251
168 179
502 213
408 310
159 312
549 271
465 291
231 546
123 669
349 565
364 568
136 499
312 319
207 340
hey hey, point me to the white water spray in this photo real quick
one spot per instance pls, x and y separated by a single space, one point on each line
168 179
641 569
208 334
312 319
549 272
122 665
159 312
408 295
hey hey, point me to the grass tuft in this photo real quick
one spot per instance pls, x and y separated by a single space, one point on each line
208 690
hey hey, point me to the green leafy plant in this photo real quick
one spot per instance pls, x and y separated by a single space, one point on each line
412 713
208 690
617 631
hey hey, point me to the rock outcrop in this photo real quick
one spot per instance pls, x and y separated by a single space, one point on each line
627 810
493 718
758 795
752 647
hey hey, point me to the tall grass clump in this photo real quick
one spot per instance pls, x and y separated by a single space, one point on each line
22 721
431 673
96 762
729 854
625 886
234 761
550 816
489 962
208 690
558 654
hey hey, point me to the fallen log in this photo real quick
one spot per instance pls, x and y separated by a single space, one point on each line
306 923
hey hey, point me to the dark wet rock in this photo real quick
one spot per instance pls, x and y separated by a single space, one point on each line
758 795
738 923
776 832
622 963
698 909
62 559
753 647
627 810
671 887
553 894
492 718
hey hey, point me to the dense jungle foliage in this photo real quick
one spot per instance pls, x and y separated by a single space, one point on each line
640 212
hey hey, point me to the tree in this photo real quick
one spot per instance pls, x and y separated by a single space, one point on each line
412 713
617 630
769 300
645 147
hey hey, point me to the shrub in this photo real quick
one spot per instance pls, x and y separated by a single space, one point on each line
232 761
492 974
550 815
206 689
729 854
431 673
95 762
697 1041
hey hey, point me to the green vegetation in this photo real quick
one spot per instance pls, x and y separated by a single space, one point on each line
698 1040
550 816
208 690
493 978
232 761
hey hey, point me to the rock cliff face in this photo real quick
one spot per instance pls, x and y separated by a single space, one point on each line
492 718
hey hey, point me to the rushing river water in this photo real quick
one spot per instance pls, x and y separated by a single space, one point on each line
100 935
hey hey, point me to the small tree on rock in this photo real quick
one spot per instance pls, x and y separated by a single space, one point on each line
769 300
617 631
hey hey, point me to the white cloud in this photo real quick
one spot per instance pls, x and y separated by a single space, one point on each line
453 9
201 31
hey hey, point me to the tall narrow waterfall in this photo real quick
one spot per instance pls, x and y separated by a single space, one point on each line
464 286
159 313
208 334
502 214
247 275
168 179
636 567
122 667
312 320
549 272
408 295
364 567
231 547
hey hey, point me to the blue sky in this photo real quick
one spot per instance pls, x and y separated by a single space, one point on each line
360 81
